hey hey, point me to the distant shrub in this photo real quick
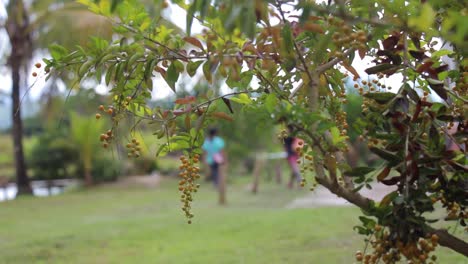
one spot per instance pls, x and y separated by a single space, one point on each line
52 156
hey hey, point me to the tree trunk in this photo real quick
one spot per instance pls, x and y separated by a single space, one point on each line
22 180
20 40
88 177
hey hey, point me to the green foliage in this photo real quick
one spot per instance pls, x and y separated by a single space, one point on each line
52 156
104 169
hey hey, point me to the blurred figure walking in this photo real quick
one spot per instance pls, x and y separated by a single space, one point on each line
214 154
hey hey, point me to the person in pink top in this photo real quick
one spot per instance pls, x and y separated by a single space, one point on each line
290 145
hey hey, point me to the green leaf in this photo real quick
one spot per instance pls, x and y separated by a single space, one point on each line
109 74
288 43
336 137
359 171
241 99
190 15
442 52
192 67
386 155
207 71
271 102
381 68
425 19
172 76
388 199
179 66
84 68
57 52
133 59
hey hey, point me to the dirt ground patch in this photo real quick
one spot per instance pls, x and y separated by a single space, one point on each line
323 197
150 181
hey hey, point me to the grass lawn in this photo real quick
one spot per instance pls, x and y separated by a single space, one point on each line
112 224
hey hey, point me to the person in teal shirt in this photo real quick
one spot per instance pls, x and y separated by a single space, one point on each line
213 148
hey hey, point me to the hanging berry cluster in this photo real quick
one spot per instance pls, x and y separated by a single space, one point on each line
133 149
392 250
106 138
109 111
189 172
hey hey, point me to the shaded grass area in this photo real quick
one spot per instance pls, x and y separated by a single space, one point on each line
112 224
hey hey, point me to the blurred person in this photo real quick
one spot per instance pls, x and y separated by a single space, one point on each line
291 143
214 155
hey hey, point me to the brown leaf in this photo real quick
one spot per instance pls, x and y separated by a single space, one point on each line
362 53
222 115
228 104
390 42
351 69
391 181
383 174
194 42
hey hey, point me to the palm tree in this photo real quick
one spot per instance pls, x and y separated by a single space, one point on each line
84 133
17 26
49 23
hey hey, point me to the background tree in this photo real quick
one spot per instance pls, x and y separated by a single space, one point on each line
300 53
50 19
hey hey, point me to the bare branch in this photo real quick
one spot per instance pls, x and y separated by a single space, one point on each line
322 68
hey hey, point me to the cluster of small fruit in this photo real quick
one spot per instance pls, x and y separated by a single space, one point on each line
134 148
345 37
370 85
393 250
306 161
455 211
462 84
109 111
106 138
38 66
189 172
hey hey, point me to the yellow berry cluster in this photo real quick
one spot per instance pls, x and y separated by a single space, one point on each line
189 172
388 250
282 134
370 85
462 84
306 163
106 138
133 148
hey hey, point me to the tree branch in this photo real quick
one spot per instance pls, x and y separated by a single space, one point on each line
449 241
322 68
